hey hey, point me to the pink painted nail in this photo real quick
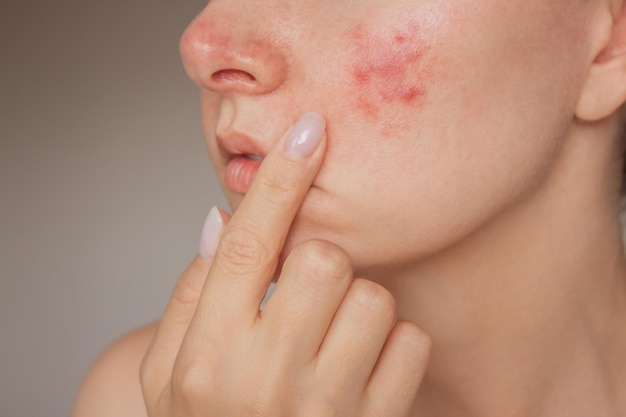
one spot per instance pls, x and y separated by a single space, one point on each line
305 135
210 233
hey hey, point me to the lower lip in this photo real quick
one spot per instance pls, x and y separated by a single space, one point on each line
240 172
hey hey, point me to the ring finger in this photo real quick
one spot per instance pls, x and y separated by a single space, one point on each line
356 336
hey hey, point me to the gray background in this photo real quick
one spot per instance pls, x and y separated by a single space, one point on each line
104 184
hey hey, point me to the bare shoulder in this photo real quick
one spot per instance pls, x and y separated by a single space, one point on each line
111 387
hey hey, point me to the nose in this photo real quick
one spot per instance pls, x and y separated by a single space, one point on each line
230 53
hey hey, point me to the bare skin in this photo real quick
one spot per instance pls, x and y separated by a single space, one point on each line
520 286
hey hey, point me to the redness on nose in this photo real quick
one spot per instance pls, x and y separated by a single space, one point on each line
386 68
206 38
210 44
204 34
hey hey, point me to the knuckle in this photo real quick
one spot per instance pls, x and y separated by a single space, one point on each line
188 289
413 338
277 188
191 382
262 401
372 297
242 250
323 260
147 372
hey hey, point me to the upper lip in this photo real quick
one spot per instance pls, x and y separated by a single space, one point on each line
236 143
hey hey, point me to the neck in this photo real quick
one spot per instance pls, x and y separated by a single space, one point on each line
527 313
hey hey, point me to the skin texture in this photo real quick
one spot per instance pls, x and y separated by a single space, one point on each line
470 172
425 107
386 69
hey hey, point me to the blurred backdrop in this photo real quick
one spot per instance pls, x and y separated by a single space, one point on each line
104 184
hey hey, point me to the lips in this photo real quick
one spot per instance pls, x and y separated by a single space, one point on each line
240 172
243 159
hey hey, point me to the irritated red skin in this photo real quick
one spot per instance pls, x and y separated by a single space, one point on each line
210 39
204 34
387 68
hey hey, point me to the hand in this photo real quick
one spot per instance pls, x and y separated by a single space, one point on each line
325 344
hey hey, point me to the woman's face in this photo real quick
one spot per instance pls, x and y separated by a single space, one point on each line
440 113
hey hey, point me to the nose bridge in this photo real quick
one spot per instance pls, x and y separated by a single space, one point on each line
236 51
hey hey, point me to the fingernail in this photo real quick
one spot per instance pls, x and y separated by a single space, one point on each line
210 233
305 135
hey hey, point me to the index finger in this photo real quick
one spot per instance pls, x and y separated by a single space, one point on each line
248 252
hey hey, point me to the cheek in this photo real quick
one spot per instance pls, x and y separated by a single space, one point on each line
388 72
210 106
383 89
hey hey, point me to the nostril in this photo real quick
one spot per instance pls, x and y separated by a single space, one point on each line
232 76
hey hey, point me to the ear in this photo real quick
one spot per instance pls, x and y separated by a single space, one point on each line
604 90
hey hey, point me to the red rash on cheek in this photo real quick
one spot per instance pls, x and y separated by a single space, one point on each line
386 69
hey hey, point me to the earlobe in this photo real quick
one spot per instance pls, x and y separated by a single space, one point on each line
604 90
